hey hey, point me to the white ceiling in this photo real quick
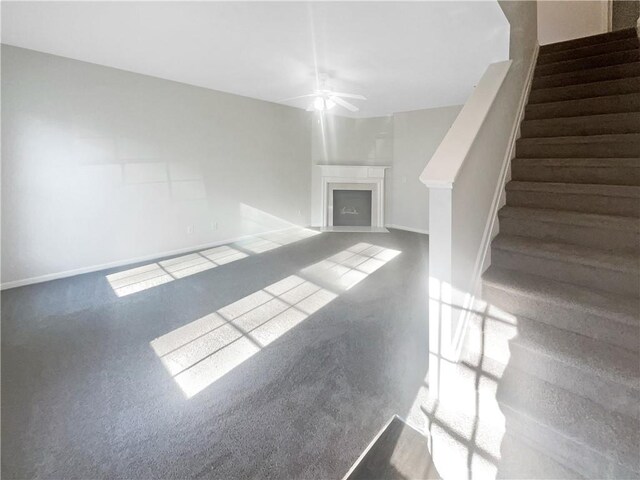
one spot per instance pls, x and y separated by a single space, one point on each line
401 55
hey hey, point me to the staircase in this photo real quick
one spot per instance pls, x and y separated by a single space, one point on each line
565 265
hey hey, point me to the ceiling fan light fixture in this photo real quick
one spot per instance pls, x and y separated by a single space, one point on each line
322 104
325 99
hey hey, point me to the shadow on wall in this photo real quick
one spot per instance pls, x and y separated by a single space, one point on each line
201 352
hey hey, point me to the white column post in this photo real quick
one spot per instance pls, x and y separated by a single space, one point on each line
440 280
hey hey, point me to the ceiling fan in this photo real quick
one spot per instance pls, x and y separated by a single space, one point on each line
325 99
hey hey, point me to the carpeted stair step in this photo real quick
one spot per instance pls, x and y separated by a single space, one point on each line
624 70
610 123
585 63
604 232
589 50
607 317
589 267
606 171
620 200
600 146
521 461
629 102
464 423
605 374
587 41
585 90
576 432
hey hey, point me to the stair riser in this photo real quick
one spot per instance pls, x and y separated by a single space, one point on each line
584 125
587 106
588 462
497 342
587 41
620 282
577 150
586 76
588 51
587 90
590 175
602 238
624 206
598 61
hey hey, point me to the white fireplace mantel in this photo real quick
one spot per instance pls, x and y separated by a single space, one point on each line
367 177
353 171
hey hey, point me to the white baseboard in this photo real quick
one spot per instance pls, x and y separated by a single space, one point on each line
129 261
346 229
408 229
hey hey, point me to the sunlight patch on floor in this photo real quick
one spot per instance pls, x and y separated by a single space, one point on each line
273 240
148 276
349 267
201 352
138 279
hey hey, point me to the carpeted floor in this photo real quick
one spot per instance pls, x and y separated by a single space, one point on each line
84 394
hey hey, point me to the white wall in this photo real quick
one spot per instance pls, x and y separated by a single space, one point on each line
478 183
348 141
352 141
416 136
101 165
405 141
566 20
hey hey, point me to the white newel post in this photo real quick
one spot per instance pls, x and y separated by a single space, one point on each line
456 242
440 280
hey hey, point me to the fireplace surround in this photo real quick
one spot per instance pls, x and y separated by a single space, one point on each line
352 178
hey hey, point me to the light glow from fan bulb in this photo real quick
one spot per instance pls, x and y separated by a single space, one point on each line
321 104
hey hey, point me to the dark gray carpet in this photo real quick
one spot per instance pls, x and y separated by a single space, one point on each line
85 396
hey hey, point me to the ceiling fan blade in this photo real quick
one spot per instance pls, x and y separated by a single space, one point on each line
300 96
344 103
348 95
